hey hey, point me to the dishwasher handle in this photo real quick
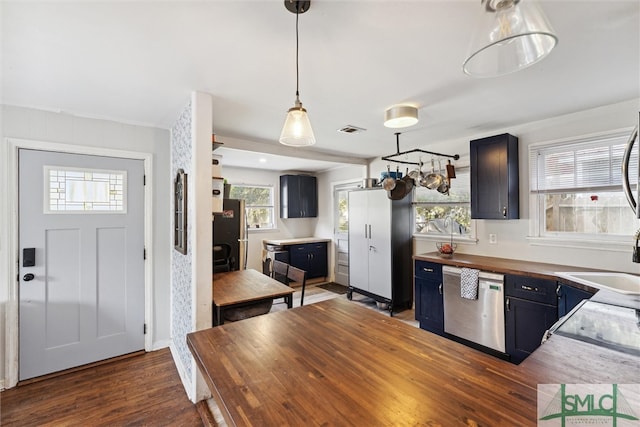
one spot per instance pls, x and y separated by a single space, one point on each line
484 275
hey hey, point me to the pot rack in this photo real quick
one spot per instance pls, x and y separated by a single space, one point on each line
390 158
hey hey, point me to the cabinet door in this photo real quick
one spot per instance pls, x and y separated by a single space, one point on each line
317 260
494 177
379 214
526 323
358 240
290 197
308 193
429 305
299 256
569 297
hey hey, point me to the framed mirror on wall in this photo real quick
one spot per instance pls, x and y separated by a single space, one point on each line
180 212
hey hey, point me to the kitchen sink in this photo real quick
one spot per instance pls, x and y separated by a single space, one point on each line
619 282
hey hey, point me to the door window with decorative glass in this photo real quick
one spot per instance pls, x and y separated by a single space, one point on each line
258 204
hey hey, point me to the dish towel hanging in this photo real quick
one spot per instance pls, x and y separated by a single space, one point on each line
469 283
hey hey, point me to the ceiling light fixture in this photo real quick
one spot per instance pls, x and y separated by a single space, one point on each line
297 130
510 35
400 116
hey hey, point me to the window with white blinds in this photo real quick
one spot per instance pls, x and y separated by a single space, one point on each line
581 166
577 187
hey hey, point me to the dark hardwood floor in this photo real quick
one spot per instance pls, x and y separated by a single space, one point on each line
141 390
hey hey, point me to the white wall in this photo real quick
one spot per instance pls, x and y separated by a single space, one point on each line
322 226
288 228
191 272
40 125
325 224
512 234
326 181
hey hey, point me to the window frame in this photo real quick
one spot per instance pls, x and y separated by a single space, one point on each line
272 206
537 233
470 238
47 169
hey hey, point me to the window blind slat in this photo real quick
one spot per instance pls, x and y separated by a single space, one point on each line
581 165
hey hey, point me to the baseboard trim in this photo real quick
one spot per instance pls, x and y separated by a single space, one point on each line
186 381
205 414
159 345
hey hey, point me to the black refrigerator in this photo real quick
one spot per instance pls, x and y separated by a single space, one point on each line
230 228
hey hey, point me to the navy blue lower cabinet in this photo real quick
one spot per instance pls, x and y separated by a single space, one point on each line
429 306
429 309
310 257
526 323
569 297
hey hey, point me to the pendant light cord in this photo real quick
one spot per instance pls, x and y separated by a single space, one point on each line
297 73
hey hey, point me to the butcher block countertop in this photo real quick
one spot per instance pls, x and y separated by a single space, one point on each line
538 270
338 363
298 241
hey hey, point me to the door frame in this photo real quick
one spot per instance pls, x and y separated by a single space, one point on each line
347 184
10 221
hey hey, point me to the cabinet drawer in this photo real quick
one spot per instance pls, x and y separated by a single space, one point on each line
321 246
298 248
531 289
428 270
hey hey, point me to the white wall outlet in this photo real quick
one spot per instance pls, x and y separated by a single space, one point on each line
493 239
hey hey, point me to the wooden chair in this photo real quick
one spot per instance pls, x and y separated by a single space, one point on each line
299 276
279 271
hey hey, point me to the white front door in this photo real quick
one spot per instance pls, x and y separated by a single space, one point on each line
82 300
341 231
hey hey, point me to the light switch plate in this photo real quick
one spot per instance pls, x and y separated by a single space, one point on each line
493 239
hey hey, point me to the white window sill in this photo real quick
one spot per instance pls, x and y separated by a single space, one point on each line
445 238
263 230
609 245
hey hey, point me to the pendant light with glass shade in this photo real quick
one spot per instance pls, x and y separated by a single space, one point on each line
297 130
510 36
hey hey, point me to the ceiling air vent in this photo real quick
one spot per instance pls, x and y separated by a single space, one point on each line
351 129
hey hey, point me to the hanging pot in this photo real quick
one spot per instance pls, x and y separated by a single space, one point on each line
416 174
433 179
399 191
389 183
409 182
443 188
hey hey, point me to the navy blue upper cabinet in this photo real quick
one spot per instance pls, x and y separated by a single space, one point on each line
494 177
298 196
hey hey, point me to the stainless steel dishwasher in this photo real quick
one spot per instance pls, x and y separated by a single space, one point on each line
480 321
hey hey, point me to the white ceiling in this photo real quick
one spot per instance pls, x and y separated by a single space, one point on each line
137 62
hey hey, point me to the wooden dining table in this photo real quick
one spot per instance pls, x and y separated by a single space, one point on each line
338 363
241 288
